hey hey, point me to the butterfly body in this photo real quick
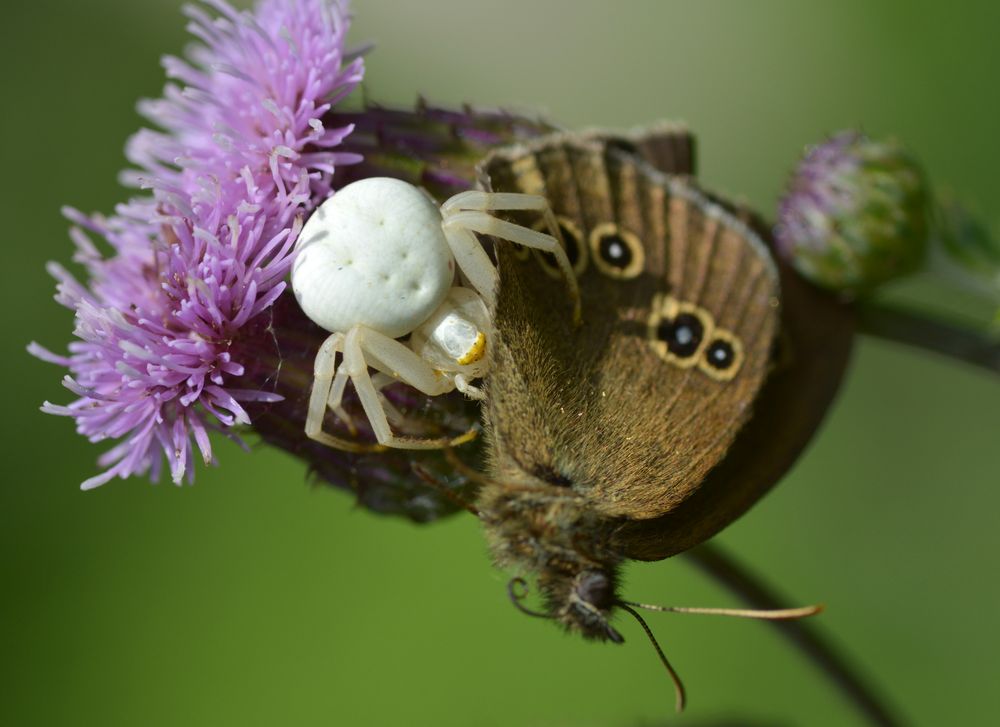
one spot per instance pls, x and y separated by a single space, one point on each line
556 535
601 437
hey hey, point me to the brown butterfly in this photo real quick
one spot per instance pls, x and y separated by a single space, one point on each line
701 370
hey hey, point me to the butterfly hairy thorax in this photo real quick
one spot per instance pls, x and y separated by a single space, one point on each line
671 409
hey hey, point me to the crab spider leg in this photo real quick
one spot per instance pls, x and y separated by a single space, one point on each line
473 392
408 368
478 201
383 378
458 228
378 351
473 261
323 382
380 381
323 369
474 201
337 395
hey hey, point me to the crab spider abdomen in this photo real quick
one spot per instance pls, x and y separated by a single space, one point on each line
373 254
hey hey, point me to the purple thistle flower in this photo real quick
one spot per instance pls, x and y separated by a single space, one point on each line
241 156
855 214
437 149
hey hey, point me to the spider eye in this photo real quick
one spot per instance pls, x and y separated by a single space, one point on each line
617 252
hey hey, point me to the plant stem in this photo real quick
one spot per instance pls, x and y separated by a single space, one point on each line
819 648
902 326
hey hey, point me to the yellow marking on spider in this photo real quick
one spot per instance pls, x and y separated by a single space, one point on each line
476 351
463 438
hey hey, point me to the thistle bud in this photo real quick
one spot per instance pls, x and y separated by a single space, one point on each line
855 214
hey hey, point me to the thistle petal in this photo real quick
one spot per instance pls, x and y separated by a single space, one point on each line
241 152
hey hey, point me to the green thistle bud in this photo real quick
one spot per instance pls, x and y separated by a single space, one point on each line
855 214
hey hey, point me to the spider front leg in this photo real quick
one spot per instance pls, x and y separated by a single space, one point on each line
327 390
364 347
468 212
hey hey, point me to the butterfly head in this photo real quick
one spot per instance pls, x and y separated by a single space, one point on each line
586 604
537 523
583 602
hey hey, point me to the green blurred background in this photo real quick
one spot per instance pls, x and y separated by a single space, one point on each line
253 599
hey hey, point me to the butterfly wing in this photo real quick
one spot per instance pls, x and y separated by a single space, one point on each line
815 339
815 343
680 300
667 146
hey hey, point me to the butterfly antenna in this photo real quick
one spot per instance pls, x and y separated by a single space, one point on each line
438 484
775 614
517 589
678 685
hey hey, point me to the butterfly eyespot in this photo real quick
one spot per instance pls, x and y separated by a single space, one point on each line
520 252
723 356
683 335
720 355
576 252
617 252
678 332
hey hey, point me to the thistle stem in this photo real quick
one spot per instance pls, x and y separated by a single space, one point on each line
902 326
819 648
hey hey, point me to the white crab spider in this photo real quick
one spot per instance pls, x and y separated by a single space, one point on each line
376 262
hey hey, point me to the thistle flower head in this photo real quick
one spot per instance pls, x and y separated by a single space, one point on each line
240 154
437 149
855 214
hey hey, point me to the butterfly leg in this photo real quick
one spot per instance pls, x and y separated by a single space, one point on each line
364 347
